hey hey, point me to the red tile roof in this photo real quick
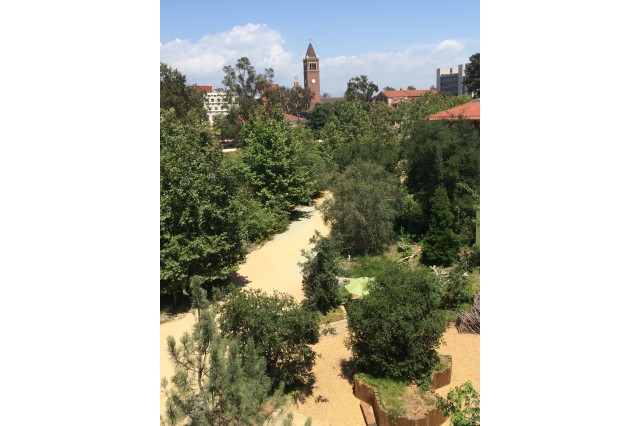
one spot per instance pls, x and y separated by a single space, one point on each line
200 89
468 111
290 117
404 93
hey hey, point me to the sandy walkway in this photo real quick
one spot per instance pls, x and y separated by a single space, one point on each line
465 353
274 266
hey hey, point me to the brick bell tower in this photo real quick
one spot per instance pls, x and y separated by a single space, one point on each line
311 65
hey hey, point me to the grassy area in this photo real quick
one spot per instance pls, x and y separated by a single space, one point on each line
332 316
475 280
391 392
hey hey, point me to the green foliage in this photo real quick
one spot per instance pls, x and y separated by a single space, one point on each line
410 113
462 405
469 258
371 266
214 382
411 216
201 232
472 75
174 93
458 291
364 206
396 328
320 274
274 164
441 244
360 89
356 131
448 155
295 100
280 329
404 245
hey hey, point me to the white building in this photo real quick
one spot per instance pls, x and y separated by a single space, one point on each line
215 101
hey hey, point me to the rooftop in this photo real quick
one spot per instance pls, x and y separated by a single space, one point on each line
468 111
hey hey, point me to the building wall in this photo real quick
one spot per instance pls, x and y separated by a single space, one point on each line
216 104
450 80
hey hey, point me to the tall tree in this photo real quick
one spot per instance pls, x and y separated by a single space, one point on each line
472 77
201 229
441 244
214 382
360 88
174 93
364 205
273 160
242 82
320 273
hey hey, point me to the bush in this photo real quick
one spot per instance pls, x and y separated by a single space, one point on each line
441 243
280 329
469 258
462 405
396 328
458 291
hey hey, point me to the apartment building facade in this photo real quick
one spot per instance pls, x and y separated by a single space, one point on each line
451 80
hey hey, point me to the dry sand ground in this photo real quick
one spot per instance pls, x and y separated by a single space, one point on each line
274 266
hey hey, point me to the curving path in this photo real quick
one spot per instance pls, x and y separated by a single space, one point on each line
274 266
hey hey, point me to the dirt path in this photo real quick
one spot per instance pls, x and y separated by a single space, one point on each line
465 354
274 266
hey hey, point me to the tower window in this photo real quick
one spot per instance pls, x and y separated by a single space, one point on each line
313 66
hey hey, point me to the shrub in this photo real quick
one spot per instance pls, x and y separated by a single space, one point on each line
320 274
462 405
458 291
280 329
469 258
395 329
441 243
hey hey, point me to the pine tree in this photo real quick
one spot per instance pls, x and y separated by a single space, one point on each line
441 243
214 382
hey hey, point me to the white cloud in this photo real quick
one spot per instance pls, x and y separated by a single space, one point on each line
202 61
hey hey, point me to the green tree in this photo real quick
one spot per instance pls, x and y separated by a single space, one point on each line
273 158
388 88
364 205
280 329
293 101
441 244
174 93
244 89
360 88
472 76
214 382
394 331
462 405
320 273
201 230
411 87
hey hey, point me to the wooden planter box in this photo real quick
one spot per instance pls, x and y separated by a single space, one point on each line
366 393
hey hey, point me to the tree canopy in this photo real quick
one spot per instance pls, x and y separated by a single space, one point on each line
174 93
293 101
360 88
280 329
320 273
201 232
472 76
364 205
394 331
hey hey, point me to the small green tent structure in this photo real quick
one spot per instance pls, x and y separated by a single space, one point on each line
358 286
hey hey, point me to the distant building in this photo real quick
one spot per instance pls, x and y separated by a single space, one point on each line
450 80
311 65
394 97
215 101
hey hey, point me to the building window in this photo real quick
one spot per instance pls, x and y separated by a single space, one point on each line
313 66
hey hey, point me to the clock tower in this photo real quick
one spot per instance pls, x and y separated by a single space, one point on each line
311 65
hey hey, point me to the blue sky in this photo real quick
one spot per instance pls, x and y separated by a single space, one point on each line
394 43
